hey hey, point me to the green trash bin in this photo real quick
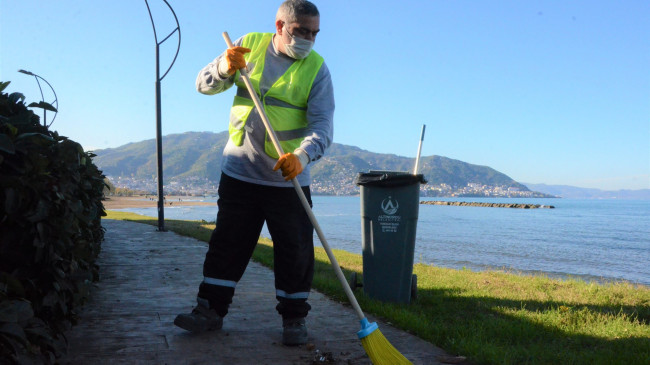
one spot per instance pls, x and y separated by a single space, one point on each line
390 202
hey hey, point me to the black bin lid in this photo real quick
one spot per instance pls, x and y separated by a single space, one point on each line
388 178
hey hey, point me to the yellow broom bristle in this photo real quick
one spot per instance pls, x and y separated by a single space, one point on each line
380 351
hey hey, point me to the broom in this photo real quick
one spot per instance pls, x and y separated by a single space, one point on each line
376 345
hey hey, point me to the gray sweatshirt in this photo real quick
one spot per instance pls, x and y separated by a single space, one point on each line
249 162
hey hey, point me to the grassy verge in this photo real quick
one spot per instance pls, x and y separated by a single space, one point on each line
493 317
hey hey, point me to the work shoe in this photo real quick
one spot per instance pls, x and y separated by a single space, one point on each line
294 332
200 320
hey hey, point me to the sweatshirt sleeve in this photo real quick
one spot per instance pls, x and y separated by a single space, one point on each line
320 116
209 81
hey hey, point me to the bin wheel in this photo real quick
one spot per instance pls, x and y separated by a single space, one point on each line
353 281
414 287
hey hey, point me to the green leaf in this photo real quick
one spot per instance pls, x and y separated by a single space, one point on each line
34 134
10 200
14 311
14 330
38 330
12 286
6 144
42 105
59 272
13 131
3 85
39 213
50 299
16 97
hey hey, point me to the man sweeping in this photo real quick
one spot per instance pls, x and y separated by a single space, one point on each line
295 87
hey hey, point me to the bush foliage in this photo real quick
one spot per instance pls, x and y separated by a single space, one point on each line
50 232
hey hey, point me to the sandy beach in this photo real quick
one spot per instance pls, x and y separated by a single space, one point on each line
121 202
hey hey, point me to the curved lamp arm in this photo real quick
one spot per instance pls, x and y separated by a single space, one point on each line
56 99
178 28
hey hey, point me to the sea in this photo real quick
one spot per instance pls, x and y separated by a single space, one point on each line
592 240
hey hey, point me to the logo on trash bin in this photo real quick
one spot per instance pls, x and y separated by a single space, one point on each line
389 206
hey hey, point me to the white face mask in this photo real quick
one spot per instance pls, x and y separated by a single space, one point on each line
299 48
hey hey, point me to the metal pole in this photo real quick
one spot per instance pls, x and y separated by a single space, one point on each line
417 159
161 196
159 152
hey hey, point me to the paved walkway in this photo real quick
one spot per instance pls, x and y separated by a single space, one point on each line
147 277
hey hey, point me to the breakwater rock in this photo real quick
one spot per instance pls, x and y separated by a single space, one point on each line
491 205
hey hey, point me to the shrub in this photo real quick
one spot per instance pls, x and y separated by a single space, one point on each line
50 232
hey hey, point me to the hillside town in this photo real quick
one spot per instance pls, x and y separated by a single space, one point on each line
195 186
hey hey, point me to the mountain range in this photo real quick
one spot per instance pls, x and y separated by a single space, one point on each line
197 155
572 192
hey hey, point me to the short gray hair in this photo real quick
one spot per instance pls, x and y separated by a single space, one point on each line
291 10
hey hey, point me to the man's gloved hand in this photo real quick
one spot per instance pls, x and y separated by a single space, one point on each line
233 60
292 164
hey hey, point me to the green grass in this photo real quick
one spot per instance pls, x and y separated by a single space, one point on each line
493 317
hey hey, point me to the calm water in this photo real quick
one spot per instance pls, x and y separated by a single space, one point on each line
592 239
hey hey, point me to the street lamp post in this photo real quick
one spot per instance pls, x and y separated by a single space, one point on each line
161 201
55 103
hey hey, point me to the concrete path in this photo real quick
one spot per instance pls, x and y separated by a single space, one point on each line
147 277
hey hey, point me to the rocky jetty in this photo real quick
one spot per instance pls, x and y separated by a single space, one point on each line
490 205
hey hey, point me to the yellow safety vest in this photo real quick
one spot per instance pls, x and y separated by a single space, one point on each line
285 102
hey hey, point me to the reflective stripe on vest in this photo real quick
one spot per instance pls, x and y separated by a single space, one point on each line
285 103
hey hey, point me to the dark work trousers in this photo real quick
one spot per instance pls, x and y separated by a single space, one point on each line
243 209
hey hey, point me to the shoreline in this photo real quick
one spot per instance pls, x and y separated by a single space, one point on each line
489 205
150 201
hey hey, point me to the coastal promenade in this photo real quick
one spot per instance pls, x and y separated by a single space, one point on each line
147 277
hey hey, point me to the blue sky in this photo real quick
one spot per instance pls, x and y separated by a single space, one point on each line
554 92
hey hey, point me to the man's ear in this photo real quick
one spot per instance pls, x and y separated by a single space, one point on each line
278 26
